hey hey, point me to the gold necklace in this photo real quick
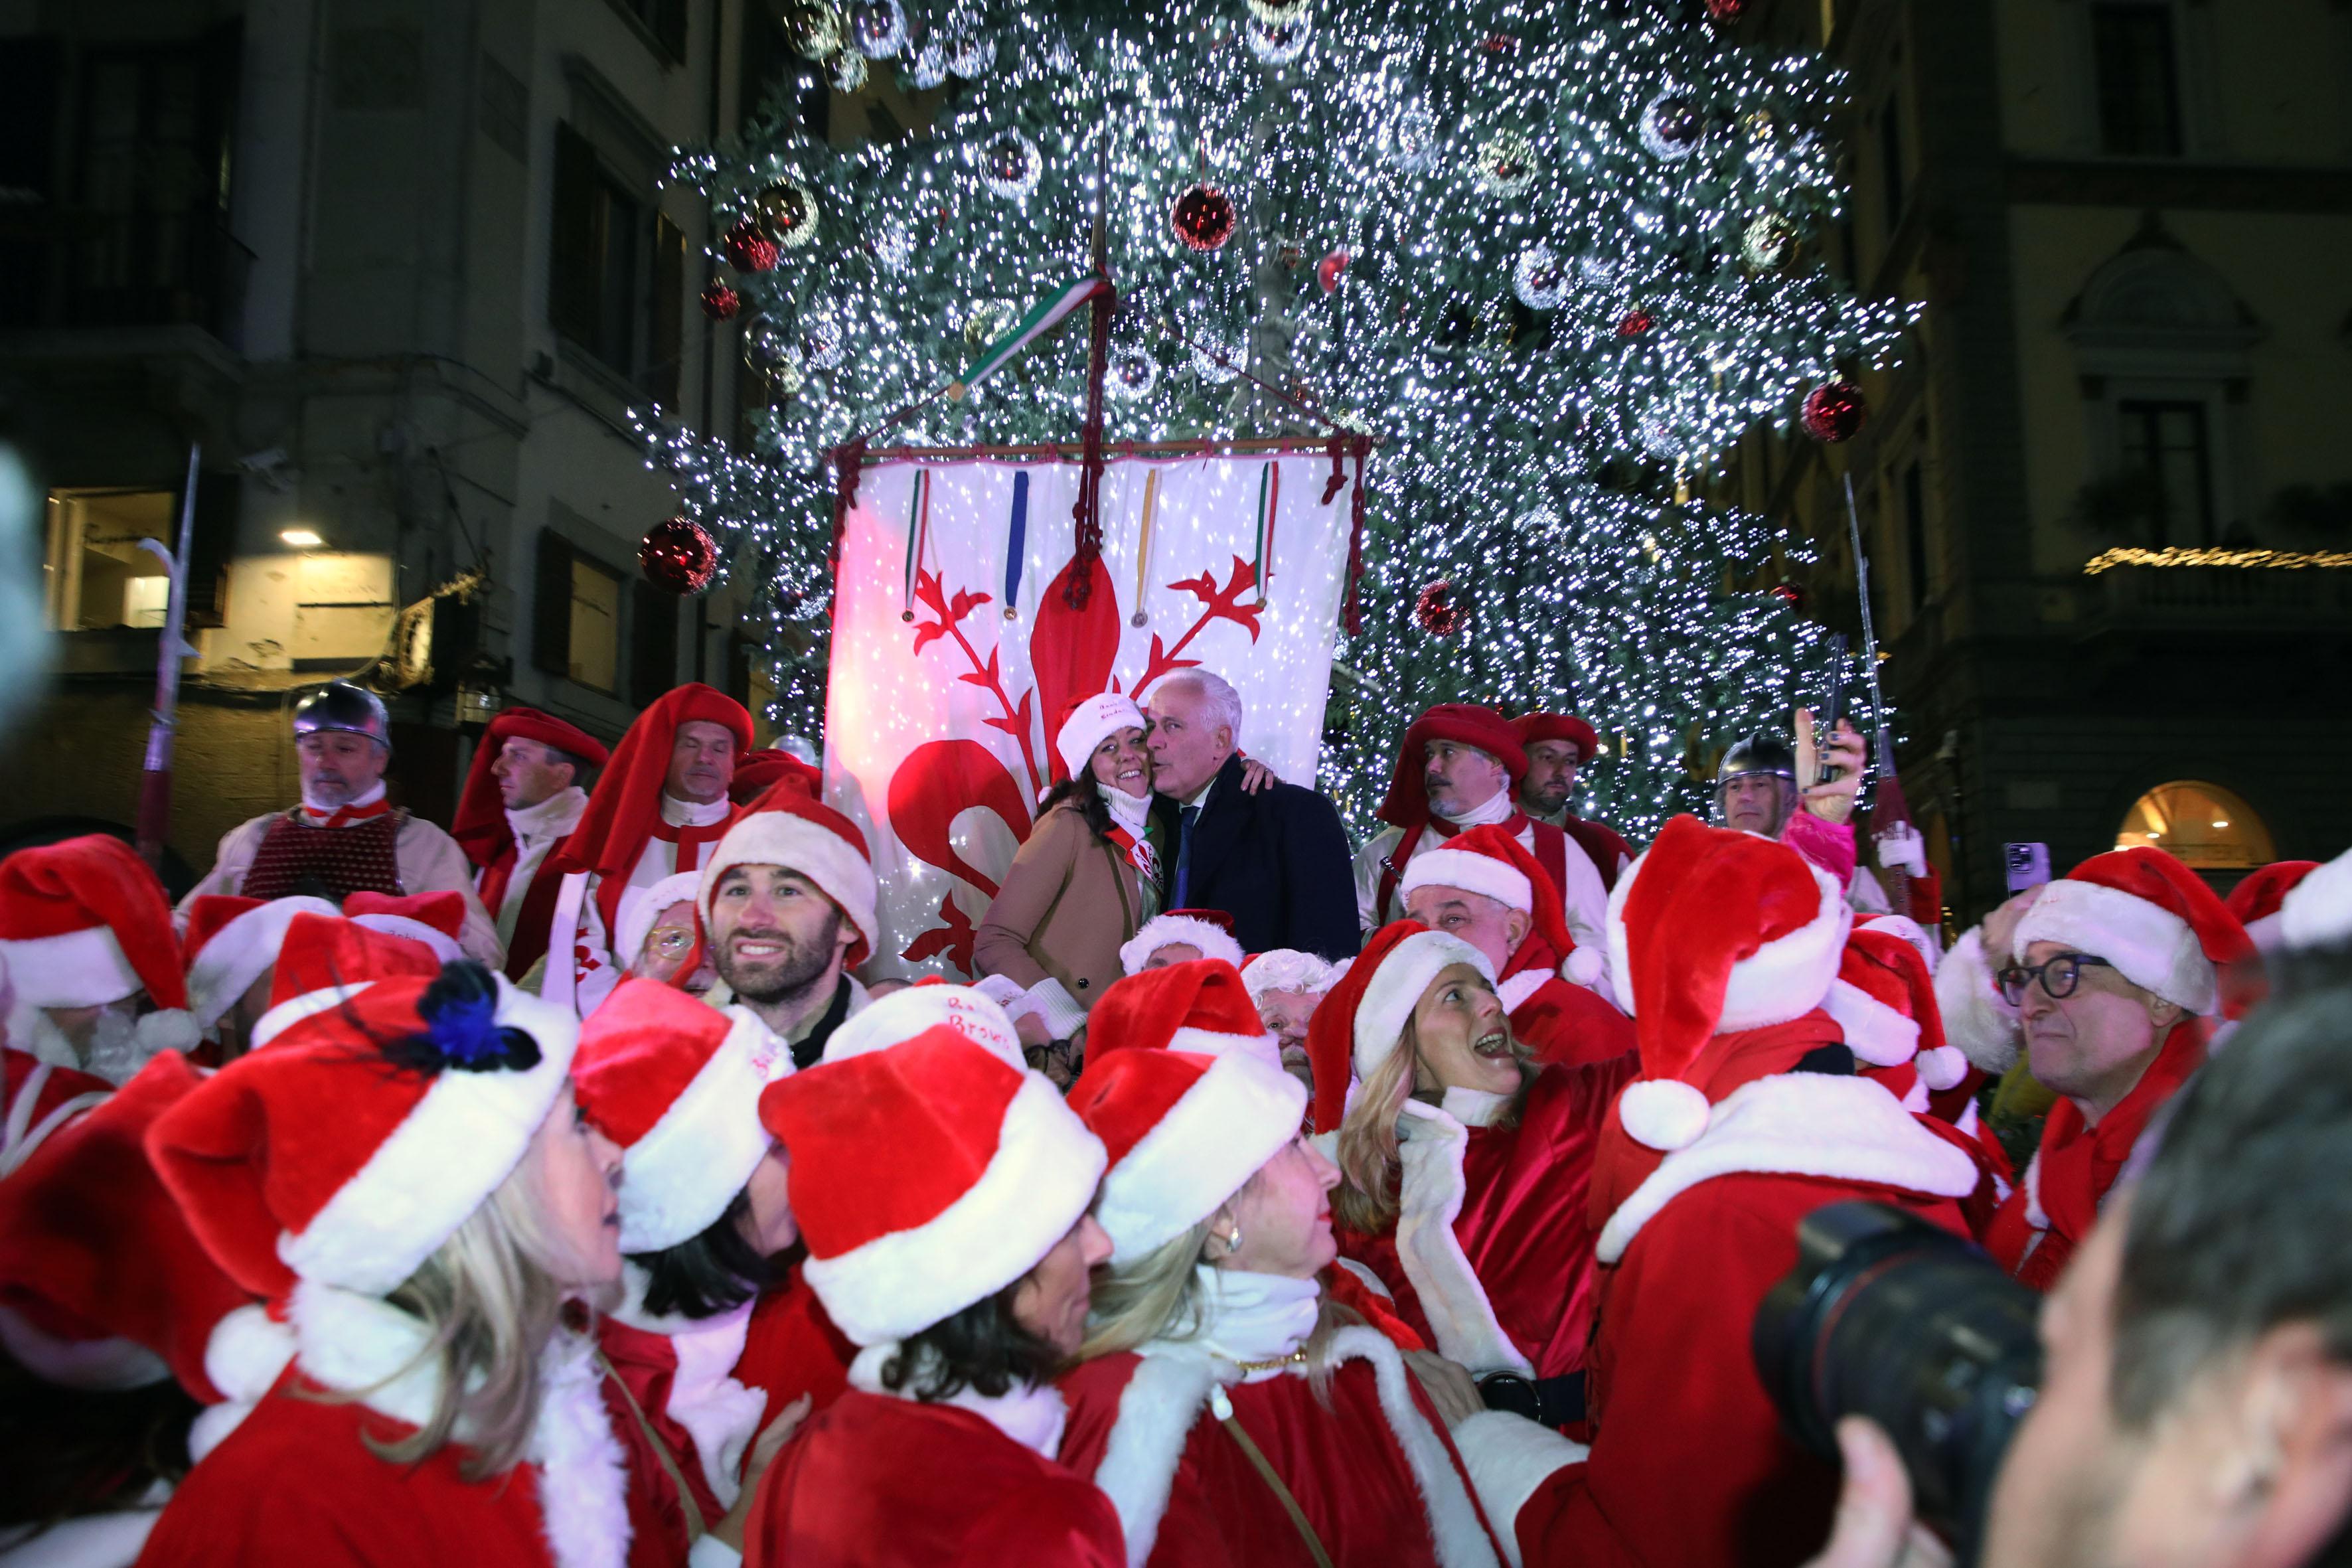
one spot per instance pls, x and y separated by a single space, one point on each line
1295 1357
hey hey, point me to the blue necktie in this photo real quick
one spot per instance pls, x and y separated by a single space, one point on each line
1189 815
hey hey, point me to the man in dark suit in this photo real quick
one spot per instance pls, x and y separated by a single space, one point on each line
1276 861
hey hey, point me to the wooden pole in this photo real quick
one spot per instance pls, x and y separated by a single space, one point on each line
1087 513
155 778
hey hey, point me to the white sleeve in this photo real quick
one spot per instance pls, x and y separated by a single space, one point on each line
231 861
1370 860
431 862
1584 900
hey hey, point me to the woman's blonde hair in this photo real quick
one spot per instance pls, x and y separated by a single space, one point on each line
1365 1200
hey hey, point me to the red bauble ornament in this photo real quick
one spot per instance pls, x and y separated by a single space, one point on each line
1835 412
1791 596
1726 11
1439 610
1203 219
678 556
1327 270
720 301
747 246
1634 323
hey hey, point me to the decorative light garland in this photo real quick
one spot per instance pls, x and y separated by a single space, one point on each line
2246 559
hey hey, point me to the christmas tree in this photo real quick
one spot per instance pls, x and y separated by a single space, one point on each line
1553 258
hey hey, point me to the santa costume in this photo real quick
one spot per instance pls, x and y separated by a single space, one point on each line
324 960
1201 1006
2163 930
321 1173
676 1085
631 834
507 849
1209 932
1747 1116
1545 983
83 923
1167 1429
786 828
231 946
1490 1256
1602 844
1416 828
757 772
987 1172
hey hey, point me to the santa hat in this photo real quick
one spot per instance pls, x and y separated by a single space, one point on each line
84 922
757 772
481 827
1712 932
1362 1019
432 921
926 1177
1487 860
927 1004
1884 1000
1184 1133
1531 728
325 960
1465 723
1211 930
2147 914
785 827
1201 1006
1910 931
1089 722
2257 898
676 1084
641 907
1288 969
347 1154
230 940
2318 913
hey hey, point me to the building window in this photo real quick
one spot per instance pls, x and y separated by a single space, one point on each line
618 274
1915 535
2138 78
1890 158
2165 446
2204 826
97 577
592 652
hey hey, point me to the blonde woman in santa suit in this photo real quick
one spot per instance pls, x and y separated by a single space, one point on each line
1230 1412
405 1179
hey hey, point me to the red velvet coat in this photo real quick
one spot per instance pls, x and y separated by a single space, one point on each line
792 1348
1373 1472
877 1481
1565 1024
1524 1262
702 1420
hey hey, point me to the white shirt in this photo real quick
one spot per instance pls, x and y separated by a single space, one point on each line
536 828
1584 901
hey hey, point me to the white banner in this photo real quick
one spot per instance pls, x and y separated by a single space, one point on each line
942 705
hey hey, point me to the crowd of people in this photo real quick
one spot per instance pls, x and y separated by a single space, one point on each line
582 1185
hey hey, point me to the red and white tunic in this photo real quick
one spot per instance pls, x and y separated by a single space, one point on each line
688 831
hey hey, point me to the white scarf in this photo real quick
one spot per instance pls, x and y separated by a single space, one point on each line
1497 807
536 827
679 812
1130 812
1247 1318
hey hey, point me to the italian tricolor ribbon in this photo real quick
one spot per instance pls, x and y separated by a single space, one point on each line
1042 318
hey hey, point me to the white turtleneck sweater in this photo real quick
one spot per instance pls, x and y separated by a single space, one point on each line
536 828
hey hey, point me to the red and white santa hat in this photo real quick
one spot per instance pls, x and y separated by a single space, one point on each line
1090 721
1884 1000
676 1084
430 919
784 828
1362 1017
230 943
1487 860
1201 1006
2259 898
927 1004
2147 914
1211 930
345 1155
325 960
926 1177
84 922
1465 723
2318 913
1712 932
1184 1133
642 907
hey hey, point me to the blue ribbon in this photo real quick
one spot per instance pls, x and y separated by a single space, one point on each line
1017 549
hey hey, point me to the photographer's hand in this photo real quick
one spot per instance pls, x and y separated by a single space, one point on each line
1873 1527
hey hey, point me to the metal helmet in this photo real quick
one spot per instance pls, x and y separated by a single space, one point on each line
339 705
1762 752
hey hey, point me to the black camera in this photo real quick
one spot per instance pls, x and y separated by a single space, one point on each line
1890 1317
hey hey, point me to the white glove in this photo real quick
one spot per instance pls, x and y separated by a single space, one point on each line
1901 848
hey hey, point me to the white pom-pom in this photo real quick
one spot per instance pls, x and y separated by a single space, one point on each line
172 1029
1663 1112
1942 1068
1581 967
246 1352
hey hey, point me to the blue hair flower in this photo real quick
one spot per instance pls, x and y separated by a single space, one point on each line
467 1034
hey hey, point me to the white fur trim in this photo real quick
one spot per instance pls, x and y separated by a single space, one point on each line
2148 944
1043 1178
1941 1068
679 1177
243 1357
2268 933
1799 1125
294 1009
1261 1046
1033 1414
168 1029
719 1414
1236 1116
1911 931
641 907
1050 1001
88 1364
1663 1113
1583 967
225 968
1431 1188
467 1133
1164 931
1508 1457
1513 990
1367 1278
2035 1214
1395 990
1157 1410
83 968
2318 911
88 1540
443 945
1471 872
799 845
1882 1035
901 1015
1090 723
1783 980
1474 1107
1976 1021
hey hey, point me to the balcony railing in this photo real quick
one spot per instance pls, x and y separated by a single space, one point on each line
63 267
2252 598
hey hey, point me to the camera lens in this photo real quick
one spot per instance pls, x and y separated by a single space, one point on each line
1890 1317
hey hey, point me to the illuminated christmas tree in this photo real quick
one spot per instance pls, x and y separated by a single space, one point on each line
1553 257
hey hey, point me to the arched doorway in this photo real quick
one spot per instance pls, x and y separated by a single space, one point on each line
2203 825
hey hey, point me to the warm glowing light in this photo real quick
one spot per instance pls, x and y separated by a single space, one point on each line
2264 560
301 537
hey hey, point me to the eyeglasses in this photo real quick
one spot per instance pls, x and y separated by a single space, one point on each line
670 943
2058 977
